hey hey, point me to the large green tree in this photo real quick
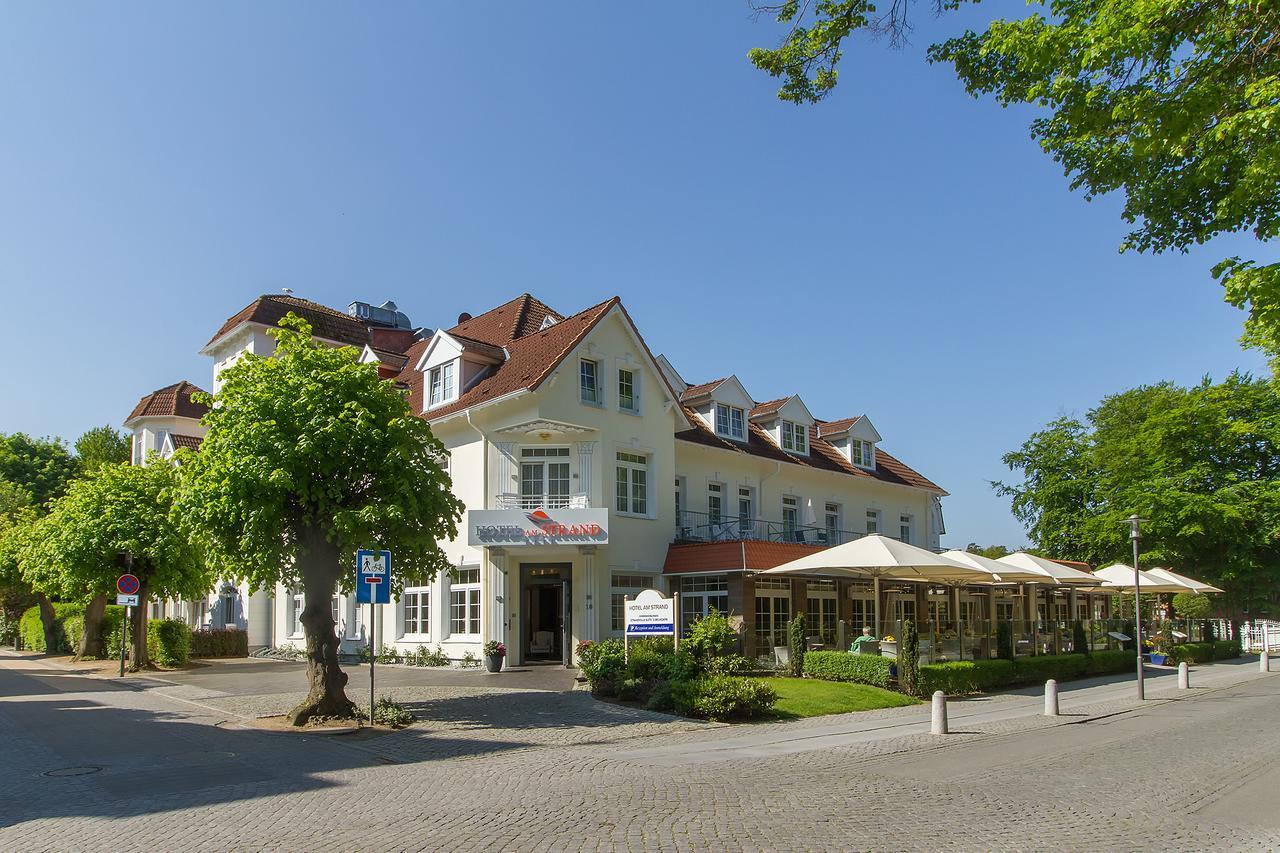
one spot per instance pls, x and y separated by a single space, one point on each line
1201 464
16 517
1174 103
308 457
41 466
120 515
104 445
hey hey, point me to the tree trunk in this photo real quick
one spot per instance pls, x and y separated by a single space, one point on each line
49 620
320 570
91 635
138 656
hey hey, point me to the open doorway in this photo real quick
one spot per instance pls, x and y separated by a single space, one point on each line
545 598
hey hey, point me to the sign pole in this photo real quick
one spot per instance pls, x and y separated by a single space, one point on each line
124 632
626 635
675 596
373 652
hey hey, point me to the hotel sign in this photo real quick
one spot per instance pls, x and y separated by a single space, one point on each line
519 527
649 614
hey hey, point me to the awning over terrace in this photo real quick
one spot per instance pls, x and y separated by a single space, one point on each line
1196 586
1048 571
876 556
1120 578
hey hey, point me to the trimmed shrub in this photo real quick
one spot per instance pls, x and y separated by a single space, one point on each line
168 642
32 629
710 636
1226 649
909 659
1004 641
650 658
1110 662
799 644
603 664
661 697
732 664
845 666
220 643
967 676
1037 670
723 697
1191 653
1192 605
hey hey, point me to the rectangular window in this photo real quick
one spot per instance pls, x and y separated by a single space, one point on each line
628 399
773 612
464 603
620 587
417 611
442 383
873 521
633 483
229 600
904 528
745 514
700 593
832 519
862 453
299 603
730 422
137 450
795 437
715 503
821 607
790 516
588 381
544 477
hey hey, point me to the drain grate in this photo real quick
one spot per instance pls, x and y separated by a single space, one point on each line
73 771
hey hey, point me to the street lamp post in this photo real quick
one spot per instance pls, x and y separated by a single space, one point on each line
1135 534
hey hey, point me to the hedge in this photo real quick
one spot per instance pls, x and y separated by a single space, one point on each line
168 642
1037 670
219 643
846 666
1111 662
967 676
69 617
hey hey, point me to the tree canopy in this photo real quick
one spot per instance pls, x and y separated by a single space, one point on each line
41 466
308 456
1175 103
1199 463
102 445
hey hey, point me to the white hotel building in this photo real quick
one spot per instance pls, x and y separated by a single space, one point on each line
590 470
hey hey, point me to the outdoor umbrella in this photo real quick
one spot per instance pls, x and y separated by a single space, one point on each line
1195 585
876 556
1049 571
1120 577
999 572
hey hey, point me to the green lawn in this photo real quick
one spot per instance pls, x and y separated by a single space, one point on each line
810 697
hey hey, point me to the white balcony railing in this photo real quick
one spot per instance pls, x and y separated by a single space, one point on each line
510 500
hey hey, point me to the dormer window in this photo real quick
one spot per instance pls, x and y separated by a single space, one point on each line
441 380
862 453
795 437
589 381
730 422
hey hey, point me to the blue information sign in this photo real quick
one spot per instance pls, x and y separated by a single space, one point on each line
373 577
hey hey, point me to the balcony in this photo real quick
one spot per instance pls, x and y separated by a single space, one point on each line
510 500
702 527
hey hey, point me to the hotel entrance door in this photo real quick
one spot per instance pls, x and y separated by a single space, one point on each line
545 595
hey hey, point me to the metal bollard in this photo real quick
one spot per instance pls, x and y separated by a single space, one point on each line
1264 662
1051 698
1184 676
938 724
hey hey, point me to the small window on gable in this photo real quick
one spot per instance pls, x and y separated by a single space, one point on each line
730 422
795 437
441 383
628 390
862 453
589 381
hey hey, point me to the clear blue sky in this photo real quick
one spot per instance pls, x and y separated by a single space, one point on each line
901 250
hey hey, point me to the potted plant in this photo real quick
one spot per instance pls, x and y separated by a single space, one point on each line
494 652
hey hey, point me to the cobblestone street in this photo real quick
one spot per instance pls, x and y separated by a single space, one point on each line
536 770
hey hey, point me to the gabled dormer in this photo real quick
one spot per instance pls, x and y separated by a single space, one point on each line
788 421
855 438
723 405
451 364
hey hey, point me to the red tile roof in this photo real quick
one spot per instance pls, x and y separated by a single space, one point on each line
731 556
826 428
693 392
191 442
531 358
328 323
822 455
171 401
769 407
510 321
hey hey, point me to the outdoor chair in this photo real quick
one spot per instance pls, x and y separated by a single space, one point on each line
543 643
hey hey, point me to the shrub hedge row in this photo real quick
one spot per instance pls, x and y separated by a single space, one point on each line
168 642
960 677
1204 652
846 666
219 643
69 618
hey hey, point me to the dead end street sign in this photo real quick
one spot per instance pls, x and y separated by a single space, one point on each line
373 577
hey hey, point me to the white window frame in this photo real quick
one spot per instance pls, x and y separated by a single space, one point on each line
906 527
746 520
469 590
873 521
696 594
790 504
444 378
715 492
138 454
634 463
733 417
421 609
795 438
862 453
544 457
594 389
229 600
299 601
620 586
634 408
833 519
